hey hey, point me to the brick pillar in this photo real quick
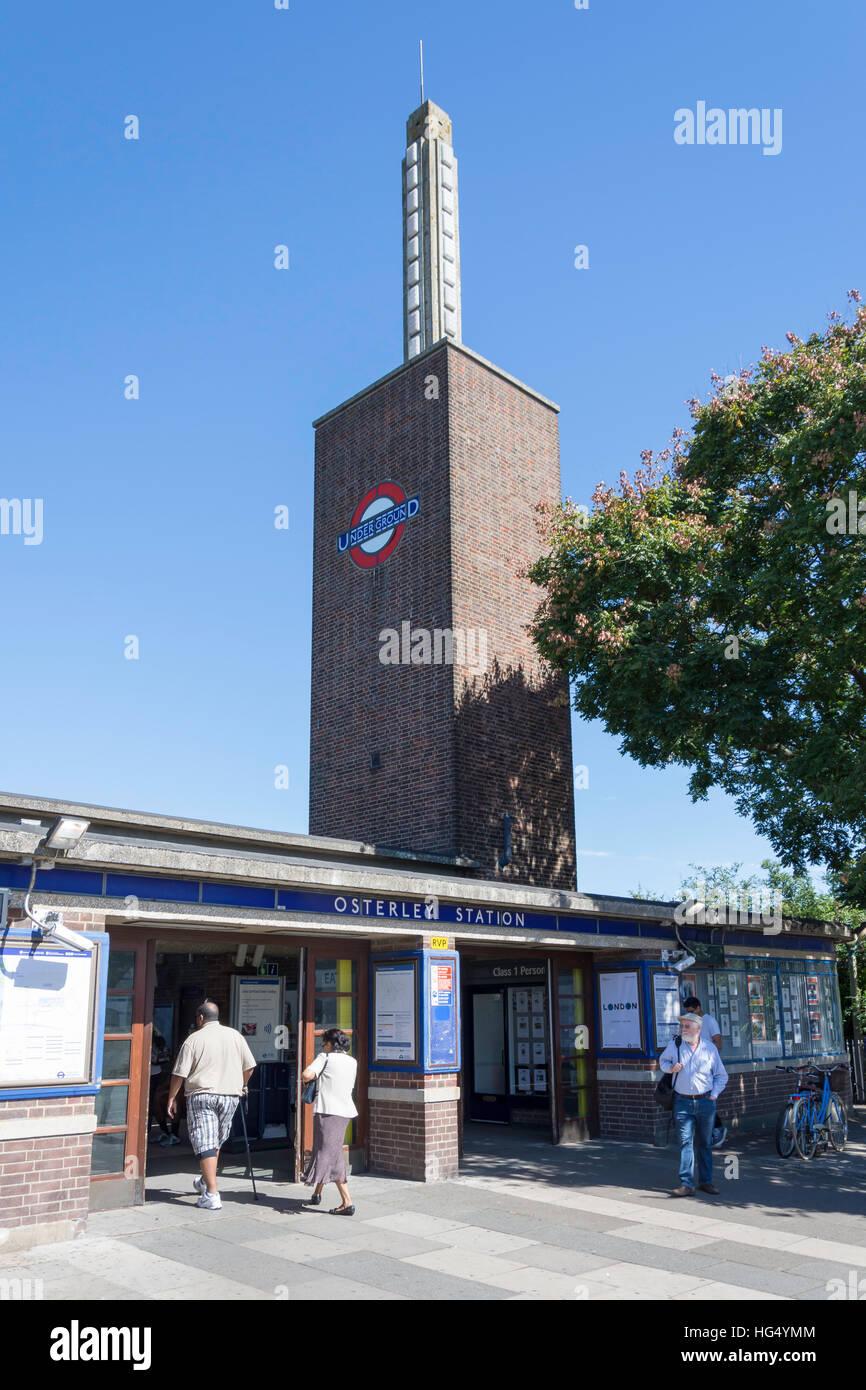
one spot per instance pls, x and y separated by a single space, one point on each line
44 1169
414 1117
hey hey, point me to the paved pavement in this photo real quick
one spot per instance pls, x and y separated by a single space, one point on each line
523 1221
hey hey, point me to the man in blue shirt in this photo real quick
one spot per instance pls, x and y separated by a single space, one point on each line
698 1080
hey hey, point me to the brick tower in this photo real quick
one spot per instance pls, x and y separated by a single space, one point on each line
432 716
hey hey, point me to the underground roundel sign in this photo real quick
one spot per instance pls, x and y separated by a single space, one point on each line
377 524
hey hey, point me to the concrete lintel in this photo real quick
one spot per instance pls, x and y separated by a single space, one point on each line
409 1096
48 1126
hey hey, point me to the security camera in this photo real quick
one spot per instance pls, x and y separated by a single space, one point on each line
54 930
683 963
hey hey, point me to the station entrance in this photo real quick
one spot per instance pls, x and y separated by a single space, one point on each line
527 1057
279 992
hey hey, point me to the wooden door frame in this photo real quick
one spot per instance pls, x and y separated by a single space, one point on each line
340 949
574 960
139 1070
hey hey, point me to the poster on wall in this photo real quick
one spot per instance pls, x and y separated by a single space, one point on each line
539 1080
522 997
689 987
523 1054
756 995
47 1015
537 1001
539 1056
759 1028
666 1007
786 997
725 1025
814 1026
811 990
619 1008
394 1019
523 1079
723 996
257 1007
538 1025
788 1022
523 1025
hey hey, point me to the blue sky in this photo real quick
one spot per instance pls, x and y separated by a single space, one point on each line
155 257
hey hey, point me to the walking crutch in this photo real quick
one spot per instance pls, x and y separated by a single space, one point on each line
247 1142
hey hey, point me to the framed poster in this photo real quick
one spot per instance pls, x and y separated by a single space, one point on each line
52 1001
257 1013
759 1028
440 1022
811 990
725 1025
788 1022
537 1025
523 1079
619 1010
523 1025
666 1007
537 1001
523 1054
539 1055
814 1026
395 1016
539 1080
723 996
522 1001
689 986
786 997
756 995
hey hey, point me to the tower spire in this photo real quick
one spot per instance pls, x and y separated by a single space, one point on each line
431 234
421 54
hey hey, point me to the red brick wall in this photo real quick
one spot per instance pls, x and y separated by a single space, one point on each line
409 1139
479 457
627 1110
45 1180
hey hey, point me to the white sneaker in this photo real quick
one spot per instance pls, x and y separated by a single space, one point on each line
210 1200
200 1185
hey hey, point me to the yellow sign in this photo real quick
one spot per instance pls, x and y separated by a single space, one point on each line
439 943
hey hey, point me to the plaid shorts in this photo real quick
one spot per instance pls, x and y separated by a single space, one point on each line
209 1121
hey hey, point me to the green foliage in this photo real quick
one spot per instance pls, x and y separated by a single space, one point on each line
710 616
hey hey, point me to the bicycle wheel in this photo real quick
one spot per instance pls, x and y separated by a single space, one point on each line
837 1122
785 1131
805 1138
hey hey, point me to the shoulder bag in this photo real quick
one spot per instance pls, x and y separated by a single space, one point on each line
665 1087
308 1094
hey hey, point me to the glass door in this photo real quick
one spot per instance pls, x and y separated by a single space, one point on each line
336 984
488 1099
117 1156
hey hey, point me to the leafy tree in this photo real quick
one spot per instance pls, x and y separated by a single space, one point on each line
711 612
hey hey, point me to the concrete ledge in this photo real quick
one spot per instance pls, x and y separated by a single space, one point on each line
48 1126
432 1096
25 1237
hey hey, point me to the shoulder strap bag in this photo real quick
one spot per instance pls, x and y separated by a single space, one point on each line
308 1094
665 1087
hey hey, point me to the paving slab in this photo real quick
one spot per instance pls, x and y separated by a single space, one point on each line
267 1273
398 1276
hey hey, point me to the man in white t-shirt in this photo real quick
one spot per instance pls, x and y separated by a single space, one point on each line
710 1032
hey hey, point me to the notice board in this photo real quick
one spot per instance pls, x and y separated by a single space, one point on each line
52 1009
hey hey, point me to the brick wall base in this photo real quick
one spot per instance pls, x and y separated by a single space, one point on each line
412 1134
751 1100
44 1178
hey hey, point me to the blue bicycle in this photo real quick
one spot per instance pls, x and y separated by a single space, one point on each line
807 1124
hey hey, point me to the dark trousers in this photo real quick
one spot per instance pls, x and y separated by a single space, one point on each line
693 1120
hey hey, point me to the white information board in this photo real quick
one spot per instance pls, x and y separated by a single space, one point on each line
46 1015
619 1007
666 1006
394 1012
257 1013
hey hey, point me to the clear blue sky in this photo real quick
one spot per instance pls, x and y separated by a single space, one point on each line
155 257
